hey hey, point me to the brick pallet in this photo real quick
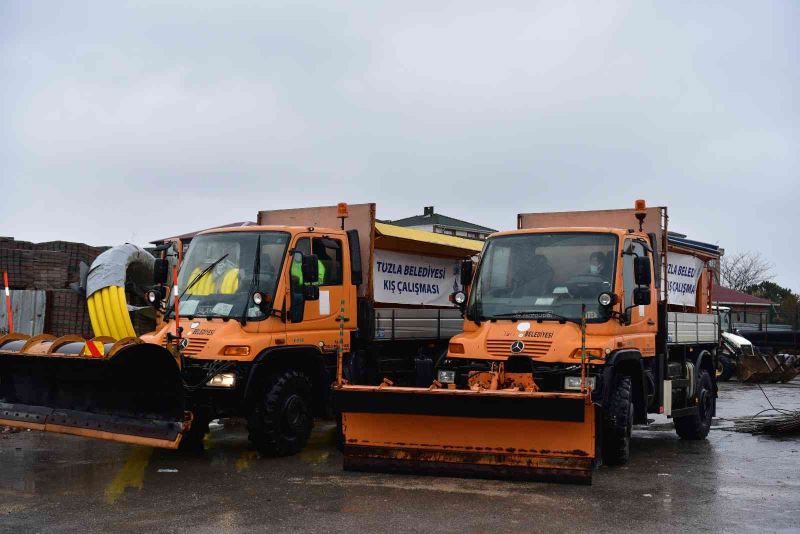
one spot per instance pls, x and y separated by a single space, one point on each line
67 314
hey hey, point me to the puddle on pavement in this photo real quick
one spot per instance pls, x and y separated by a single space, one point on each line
131 475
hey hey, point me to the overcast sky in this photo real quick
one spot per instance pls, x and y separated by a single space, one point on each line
129 122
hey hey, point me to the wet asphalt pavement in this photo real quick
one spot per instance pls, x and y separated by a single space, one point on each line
730 483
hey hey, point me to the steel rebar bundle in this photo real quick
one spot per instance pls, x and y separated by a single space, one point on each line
783 424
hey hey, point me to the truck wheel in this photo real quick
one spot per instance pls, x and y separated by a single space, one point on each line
696 426
617 424
725 368
281 421
192 441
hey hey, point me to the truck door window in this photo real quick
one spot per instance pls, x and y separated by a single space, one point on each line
296 270
632 249
329 257
329 254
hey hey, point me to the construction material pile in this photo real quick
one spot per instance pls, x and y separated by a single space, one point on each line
40 275
783 424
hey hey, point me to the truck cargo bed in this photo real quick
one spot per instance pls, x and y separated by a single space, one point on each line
416 323
692 328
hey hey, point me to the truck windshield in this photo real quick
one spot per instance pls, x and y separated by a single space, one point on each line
225 289
544 276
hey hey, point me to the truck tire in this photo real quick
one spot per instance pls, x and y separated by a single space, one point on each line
617 424
281 420
725 368
696 426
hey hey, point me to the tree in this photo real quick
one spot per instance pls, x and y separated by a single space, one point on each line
745 269
786 300
769 290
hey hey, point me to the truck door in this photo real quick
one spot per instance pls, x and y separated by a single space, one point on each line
641 320
320 324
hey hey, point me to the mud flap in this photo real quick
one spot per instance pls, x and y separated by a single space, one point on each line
487 434
132 393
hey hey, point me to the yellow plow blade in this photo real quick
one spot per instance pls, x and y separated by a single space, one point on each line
126 390
486 434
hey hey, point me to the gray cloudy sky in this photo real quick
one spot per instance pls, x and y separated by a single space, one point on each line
132 121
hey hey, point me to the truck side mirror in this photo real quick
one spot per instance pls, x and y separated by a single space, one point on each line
467 268
641 296
641 271
160 271
310 269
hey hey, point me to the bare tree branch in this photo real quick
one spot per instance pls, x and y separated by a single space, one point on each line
744 269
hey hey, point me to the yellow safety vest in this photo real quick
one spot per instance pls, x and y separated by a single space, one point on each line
204 286
297 272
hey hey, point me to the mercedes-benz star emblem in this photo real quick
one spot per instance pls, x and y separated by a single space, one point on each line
517 347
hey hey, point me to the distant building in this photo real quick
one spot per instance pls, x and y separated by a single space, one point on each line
187 237
745 308
442 224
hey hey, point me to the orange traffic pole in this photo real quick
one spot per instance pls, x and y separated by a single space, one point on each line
8 304
177 300
583 348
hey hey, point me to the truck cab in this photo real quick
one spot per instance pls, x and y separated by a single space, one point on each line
531 293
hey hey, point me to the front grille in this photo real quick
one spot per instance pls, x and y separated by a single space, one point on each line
502 347
195 346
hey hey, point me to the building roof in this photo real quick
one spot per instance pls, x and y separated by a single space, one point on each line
430 217
680 240
726 295
189 235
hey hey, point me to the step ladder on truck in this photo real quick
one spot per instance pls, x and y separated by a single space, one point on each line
577 325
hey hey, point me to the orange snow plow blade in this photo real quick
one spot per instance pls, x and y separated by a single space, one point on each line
127 390
486 434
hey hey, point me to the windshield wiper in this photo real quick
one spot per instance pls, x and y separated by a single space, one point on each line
196 279
538 315
253 282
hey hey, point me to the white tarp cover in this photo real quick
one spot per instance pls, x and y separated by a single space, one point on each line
683 272
111 267
412 279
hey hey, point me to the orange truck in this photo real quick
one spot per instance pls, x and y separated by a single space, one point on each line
267 317
577 325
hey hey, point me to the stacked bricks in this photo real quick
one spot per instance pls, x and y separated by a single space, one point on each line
73 255
66 313
17 261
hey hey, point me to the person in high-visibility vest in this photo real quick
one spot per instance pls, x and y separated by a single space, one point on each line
297 273
229 283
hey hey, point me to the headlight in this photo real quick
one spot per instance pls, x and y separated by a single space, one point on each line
574 382
447 377
222 380
606 299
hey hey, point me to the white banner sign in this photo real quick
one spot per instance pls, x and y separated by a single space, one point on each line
683 273
411 279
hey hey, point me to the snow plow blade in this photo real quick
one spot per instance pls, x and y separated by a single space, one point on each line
127 390
486 434
760 367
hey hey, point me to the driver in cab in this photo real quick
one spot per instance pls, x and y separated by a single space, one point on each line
597 264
